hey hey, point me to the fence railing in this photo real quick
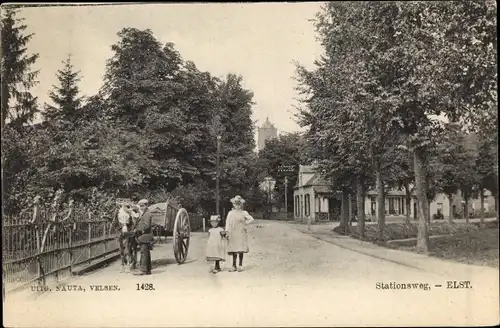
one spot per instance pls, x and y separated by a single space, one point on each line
324 216
39 249
196 221
46 253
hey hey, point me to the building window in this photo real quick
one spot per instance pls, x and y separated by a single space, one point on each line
307 204
373 205
320 199
440 208
297 205
392 209
301 205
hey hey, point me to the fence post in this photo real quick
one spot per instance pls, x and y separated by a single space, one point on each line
35 221
70 249
89 239
104 238
37 236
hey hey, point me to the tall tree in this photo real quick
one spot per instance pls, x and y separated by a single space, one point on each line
487 159
288 150
142 82
349 109
411 61
451 164
18 104
237 143
65 97
149 89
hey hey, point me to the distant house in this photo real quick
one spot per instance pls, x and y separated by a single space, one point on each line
316 198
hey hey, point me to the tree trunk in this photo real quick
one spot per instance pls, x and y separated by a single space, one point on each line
428 211
344 217
481 195
420 183
351 212
3 113
380 200
407 203
496 206
450 204
360 192
466 210
5 103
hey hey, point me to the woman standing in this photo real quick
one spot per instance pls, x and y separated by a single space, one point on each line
236 230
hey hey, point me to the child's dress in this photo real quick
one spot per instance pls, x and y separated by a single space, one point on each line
216 248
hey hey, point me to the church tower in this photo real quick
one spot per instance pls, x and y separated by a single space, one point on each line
266 131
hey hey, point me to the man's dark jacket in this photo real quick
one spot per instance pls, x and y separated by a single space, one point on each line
144 228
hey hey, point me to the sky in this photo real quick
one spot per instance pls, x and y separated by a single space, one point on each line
259 41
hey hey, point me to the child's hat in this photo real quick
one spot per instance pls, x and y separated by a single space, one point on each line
214 217
237 199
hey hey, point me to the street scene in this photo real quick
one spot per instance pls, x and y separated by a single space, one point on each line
290 277
257 164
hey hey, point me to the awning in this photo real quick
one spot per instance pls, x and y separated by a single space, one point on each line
326 191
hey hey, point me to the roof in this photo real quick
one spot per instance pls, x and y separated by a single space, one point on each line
391 192
316 180
325 190
267 125
306 169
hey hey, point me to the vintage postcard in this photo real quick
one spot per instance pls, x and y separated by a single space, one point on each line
261 164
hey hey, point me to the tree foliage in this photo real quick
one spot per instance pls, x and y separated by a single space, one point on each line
149 132
288 150
66 96
389 69
19 107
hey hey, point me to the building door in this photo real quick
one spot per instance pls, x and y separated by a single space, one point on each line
334 208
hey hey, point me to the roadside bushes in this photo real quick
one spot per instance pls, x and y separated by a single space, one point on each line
395 231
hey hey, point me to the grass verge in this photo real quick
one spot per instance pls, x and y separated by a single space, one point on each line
466 243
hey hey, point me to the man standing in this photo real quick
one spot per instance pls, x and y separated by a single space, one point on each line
145 238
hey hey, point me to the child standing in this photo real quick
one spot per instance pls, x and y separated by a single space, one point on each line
236 222
215 245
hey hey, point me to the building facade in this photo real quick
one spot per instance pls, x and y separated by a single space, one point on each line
266 131
316 198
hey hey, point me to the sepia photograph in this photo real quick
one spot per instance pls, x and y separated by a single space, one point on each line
259 164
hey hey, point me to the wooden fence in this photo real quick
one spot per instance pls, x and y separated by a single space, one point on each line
46 253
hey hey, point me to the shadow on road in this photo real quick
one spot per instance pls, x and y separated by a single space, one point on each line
164 262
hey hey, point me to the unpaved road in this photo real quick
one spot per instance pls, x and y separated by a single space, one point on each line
291 279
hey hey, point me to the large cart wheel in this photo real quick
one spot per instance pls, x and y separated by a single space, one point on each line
181 234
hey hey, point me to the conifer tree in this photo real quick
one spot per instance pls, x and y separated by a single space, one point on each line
65 96
18 104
